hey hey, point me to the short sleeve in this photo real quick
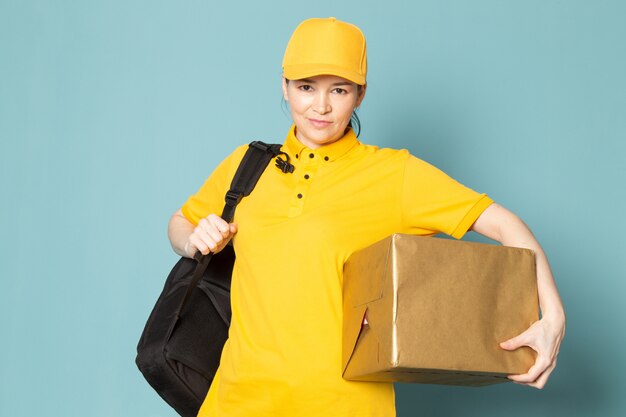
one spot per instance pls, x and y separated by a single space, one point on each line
210 197
434 201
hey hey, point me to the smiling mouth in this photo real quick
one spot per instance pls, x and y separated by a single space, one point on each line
320 123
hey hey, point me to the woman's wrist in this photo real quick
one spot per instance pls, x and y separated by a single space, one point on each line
554 315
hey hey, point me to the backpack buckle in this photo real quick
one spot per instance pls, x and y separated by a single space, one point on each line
233 197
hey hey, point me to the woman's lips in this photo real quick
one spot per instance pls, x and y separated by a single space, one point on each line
319 123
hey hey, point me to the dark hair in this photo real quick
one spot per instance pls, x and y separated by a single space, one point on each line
355 122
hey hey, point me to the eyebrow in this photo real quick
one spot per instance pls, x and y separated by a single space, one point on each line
310 81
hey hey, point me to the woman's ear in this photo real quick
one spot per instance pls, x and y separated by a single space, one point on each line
361 96
284 86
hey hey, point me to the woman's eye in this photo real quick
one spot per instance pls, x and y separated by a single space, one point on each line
305 87
341 90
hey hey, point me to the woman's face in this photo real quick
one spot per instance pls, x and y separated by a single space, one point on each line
321 107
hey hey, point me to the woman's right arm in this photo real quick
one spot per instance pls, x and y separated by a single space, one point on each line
211 235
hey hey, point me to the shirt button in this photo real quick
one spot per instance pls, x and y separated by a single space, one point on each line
311 155
306 177
299 195
325 158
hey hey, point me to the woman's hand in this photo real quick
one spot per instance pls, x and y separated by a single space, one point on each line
544 337
211 235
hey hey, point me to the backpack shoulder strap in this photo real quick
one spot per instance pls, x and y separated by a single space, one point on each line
254 162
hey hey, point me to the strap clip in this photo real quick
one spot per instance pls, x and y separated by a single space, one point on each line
233 197
283 165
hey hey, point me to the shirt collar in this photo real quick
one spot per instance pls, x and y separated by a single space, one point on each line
329 152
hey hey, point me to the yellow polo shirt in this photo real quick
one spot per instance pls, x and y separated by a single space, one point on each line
283 354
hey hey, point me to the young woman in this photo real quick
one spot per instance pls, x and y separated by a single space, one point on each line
295 231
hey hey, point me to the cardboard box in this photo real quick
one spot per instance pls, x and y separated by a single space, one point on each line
432 310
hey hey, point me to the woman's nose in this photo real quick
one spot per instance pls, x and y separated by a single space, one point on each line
322 104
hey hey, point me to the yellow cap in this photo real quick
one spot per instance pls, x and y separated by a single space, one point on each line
326 46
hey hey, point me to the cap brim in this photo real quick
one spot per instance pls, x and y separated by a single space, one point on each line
297 72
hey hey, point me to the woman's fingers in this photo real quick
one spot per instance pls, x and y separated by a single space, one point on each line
543 378
205 232
211 234
220 225
212 237
523 339
515 342
197 243
541 364
541 381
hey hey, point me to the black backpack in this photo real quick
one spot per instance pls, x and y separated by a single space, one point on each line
180 347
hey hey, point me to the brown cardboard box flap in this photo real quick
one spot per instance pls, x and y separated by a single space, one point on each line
365 298
437 310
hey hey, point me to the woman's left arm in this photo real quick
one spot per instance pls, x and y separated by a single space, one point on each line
545 335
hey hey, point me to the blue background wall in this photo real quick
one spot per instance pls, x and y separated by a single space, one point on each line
113 113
